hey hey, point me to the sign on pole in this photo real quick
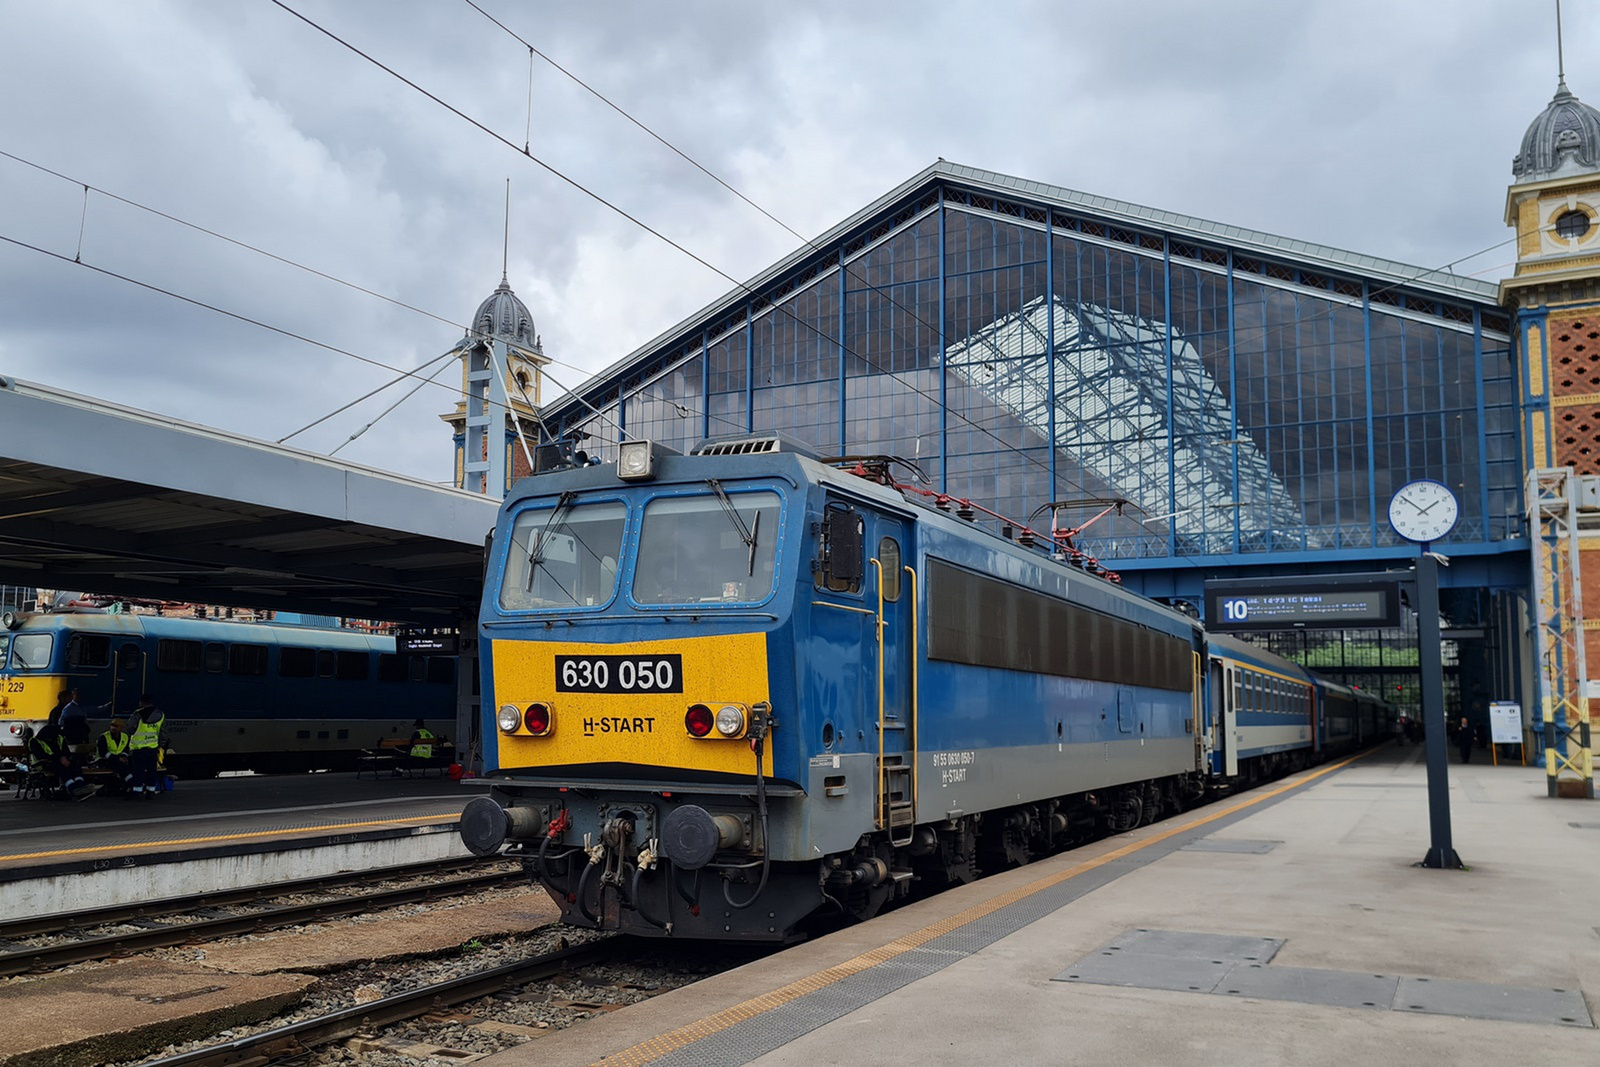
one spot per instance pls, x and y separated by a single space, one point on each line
1505 722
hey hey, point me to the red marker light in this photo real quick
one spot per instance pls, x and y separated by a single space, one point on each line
699 720
537 719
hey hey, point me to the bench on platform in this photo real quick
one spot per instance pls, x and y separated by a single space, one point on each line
394 754
32 784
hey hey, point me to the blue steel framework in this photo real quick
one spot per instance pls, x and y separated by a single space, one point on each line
1257 400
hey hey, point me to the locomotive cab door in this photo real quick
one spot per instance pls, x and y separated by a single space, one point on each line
893 594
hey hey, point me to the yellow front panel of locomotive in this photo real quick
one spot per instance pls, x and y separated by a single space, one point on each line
638 728
30 696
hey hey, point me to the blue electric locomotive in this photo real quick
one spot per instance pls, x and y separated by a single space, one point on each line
728 690
237 696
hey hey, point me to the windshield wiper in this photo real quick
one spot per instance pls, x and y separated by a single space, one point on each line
542 538
747 534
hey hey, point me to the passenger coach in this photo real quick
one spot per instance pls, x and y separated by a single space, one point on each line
237 696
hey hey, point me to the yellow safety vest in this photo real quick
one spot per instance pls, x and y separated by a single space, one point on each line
115 745
423 751
147 734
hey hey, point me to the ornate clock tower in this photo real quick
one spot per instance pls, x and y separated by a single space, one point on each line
1554 204
502 317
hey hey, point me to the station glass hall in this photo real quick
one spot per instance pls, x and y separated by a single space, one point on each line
1255 400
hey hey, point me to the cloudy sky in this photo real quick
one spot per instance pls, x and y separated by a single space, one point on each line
1383 127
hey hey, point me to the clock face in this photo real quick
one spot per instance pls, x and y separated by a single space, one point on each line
1423 511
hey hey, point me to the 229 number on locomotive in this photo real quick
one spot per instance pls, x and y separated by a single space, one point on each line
620 674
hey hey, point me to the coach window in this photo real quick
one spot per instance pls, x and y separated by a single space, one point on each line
182 656
247 659
129 657
391 667
216 657
417 668
31 652
325 662
89 650
889 558
442 670
297 663
353 666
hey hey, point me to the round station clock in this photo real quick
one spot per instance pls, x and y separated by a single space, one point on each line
1424 510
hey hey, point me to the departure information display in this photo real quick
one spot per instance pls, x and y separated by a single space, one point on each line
1322 602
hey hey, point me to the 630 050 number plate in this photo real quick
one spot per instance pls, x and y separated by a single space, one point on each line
620 674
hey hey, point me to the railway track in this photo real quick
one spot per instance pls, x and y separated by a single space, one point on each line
80 950
297 1039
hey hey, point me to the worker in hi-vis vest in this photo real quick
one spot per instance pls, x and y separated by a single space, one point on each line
148 737
114 754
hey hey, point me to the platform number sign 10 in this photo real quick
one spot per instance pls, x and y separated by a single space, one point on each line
1236 609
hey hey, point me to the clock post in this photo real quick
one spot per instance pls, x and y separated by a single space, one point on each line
1430 661
1422 512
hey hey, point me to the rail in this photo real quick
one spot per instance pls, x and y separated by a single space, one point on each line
19 961
295 1039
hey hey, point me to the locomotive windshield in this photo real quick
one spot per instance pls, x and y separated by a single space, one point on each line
719 547
31 652
564 556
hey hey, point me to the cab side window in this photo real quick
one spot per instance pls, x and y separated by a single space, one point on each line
841 560
889 560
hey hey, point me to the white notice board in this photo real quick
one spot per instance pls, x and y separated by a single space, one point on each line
1505 722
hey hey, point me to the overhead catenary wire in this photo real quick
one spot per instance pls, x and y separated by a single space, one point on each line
675 404
986 425
391 407
368 395
812 245
297 265
586 191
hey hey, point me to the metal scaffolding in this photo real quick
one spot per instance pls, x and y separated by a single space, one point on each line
1558 631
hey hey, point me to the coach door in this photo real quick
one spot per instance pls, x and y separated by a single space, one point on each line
1229 692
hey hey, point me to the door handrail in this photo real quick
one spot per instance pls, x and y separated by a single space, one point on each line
913 742
877 625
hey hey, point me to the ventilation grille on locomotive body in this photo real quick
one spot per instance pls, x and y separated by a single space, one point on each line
757 445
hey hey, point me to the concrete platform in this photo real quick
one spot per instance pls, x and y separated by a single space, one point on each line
219 834
123 1010
1339 950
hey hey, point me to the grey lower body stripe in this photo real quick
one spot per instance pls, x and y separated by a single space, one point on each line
755 1037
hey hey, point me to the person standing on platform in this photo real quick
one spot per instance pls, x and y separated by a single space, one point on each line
49 752
1464 740
114 753
149 735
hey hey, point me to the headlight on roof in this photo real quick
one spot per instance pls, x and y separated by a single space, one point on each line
635 461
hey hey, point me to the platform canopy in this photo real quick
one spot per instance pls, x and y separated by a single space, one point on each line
107 499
